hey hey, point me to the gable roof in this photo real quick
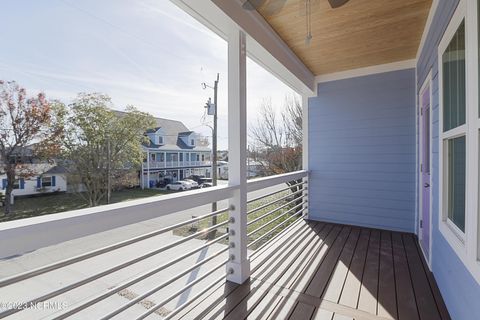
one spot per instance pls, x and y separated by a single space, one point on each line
173 130
185 134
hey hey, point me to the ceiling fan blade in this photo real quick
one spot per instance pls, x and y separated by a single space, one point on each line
269 7
337 3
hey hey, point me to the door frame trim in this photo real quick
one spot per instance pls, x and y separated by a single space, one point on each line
426 83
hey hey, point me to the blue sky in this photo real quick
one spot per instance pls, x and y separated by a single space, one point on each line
147 53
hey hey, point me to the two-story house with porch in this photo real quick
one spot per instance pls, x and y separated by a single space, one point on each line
172 153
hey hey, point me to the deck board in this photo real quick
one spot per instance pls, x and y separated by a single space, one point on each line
351 288
429 310
406 300
387 295
335 286
368 298
324 271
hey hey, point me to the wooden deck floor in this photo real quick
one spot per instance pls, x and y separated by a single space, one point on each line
326 271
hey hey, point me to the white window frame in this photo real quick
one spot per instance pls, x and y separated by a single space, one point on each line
160 139
465 244
46 177
426 83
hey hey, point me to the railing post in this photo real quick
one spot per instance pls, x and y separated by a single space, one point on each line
238 268
305 152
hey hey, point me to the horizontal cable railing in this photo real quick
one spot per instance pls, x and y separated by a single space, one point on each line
163 282
129 262
271 213
91 254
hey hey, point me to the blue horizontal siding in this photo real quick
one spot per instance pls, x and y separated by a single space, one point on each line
459 289
362 151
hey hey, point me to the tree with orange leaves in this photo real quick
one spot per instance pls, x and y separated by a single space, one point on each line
29 126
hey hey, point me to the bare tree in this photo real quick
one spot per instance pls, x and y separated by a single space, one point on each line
278 137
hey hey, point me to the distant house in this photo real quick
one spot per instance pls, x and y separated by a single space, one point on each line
222 167
37 176
173 153
255 168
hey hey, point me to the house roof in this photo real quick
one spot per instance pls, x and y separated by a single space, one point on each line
153 130
171 127
173 131
56 170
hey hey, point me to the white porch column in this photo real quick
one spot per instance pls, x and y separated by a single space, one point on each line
305 150
148 169
142 176
237 146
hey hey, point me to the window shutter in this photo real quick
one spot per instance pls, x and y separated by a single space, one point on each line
4 184
22 183
39 182
53 181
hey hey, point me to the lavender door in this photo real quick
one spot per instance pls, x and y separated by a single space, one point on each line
425 169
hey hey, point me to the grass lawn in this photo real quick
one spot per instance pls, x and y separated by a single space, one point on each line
53 203
205 223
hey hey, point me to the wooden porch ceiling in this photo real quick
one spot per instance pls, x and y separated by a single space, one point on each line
359 34
323 271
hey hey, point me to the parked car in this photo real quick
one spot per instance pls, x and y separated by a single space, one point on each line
188 184
205 180
178 186
205 185
196 178
192 182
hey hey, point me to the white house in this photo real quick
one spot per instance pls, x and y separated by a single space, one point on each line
46 178
173 153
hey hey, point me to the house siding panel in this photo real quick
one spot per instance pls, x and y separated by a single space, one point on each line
459 289
362 151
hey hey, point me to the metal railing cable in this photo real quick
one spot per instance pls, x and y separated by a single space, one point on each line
163 285
143 276
275 219
60 264
271 212
275 228
195 297
273 202
275 192
180 291
125 264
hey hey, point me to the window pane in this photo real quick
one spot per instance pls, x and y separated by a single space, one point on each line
47 181
456 181
453 61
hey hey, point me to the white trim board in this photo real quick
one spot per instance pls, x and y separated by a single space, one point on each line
428 24
464 243
419 123
360 72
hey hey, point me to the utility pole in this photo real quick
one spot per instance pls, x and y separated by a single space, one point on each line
109 166
214 146
214 138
